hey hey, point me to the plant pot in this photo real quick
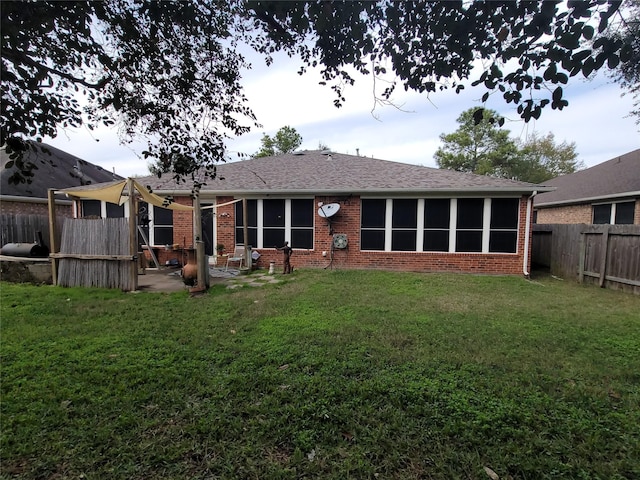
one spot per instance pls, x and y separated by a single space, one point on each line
190 270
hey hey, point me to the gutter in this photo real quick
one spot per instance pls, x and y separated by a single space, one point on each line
361 192
16 198
527 235
613 196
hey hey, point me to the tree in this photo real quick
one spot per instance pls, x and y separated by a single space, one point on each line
170 71
479 146
165 71
527 50
542 159
286 140
628 73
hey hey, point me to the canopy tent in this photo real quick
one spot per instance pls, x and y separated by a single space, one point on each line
114 193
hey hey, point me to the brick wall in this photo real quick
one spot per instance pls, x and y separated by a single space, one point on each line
348 222
565 214
575 214
32 208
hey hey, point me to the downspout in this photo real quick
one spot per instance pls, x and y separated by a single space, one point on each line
527 236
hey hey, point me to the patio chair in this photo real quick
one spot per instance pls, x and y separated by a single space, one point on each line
238 256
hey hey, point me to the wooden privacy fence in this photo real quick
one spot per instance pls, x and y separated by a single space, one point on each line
22 228
96 253
608 255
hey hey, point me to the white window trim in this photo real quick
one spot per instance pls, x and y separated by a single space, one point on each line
152 225
287 221
612 216
453 221
103 208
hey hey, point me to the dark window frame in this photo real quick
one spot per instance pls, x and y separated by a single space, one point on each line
469 232
162 224
503 226
302 223
372 233
404 224
437 231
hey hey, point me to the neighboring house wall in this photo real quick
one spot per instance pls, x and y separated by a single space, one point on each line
565 214
348 222
582 213
33 208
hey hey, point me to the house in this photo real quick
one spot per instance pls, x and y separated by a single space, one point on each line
605 193
348 211
55 169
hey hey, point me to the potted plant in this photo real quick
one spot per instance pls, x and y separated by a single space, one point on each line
219 249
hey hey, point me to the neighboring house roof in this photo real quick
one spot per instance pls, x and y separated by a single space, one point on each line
55 170
320 172
615 178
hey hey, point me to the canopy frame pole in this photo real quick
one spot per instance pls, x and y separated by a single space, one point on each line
52 234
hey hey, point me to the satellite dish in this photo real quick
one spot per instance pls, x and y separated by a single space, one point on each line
328 210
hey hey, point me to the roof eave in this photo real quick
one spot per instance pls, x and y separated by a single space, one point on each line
328 192
574 201
17 198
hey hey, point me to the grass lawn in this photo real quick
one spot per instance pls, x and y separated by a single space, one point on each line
330 374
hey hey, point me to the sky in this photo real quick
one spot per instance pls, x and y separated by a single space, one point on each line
597 120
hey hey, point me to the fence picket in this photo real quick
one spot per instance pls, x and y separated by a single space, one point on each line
606 254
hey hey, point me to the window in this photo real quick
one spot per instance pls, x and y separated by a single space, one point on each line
156 223
602 213
302 214
621 213
404 225
272 221
91 208
624 213
97 208
252 223
372 225
470 213
488 225
503 235
437 214
162 226
115 211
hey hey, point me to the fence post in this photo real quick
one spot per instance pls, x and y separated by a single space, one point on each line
603 255
583 253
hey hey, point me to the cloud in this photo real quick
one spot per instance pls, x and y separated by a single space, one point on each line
596 120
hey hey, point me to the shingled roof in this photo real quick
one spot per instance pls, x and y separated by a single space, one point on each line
618 177
57 170
320 172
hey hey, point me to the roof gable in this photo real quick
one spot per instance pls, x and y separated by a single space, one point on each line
319 172
618 176
55 170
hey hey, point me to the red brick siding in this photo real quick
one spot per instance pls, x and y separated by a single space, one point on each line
30 208
575 214
225 226
348 222
565 214
183 224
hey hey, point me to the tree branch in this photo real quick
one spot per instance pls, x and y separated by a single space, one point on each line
22 58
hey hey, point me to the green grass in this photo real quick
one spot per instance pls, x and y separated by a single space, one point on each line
330 374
